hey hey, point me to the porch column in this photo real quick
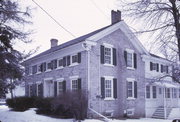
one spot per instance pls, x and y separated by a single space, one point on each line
164 98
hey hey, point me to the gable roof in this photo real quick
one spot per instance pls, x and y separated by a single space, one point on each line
69 43
126 30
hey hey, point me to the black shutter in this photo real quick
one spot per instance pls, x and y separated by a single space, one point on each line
52 64
79 83
68 60
103 87
64 61
55 88
79 57
157 67
151 66
135 60
55 63
115 87
41 67
125 57
114 57
64 86
127 83
135 89
102 54
161 68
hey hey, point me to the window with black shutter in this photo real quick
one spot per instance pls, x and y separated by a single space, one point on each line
130 59
34 69
132 89
114 57
115 87
64 61
79 57
102 54
55 88
68 60
102 87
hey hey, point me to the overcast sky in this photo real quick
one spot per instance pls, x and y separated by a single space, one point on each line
77 16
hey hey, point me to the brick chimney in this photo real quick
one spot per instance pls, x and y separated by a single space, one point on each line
54 42
115 16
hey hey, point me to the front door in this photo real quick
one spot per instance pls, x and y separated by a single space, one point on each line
48 88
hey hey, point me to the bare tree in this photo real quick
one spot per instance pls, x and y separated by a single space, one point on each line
160 18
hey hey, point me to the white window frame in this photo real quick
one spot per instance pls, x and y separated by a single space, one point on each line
74 78
59 80
110 78
73 63
131 80
130 51
59 67
106 45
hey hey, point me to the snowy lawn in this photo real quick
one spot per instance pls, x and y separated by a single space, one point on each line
30 116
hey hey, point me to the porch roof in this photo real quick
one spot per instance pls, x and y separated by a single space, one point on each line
167 85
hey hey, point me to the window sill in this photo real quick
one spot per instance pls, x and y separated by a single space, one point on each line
131 68
109 65
73 64
61 67
131 98
38 73
109 99
48 70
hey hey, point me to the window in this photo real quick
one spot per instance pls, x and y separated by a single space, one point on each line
60 87
49 65
74 85
160 91
154 91
74 58
27 70
131 88
148 92
130 59
167 93
174 93
61 63
39 92
164 68
154 66
107 55
30 90
54 64
34 69
108 89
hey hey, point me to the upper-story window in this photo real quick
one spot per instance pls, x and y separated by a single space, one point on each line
49 65
27 70
34 69
108 54
130 58
74 58
60 63
154 66
164 68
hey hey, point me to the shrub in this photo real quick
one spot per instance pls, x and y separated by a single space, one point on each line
21 103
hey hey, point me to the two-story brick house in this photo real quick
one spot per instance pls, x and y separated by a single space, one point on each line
109 64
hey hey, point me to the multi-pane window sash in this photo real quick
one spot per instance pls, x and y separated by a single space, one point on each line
30 90
74 85
154 66
108 88
34 69
75 58
129 59
167 92
148 92
107 55
130 89
60 87
60 62
154 91
174 93
164 68
39 89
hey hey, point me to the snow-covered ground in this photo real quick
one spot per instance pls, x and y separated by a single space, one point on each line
30 116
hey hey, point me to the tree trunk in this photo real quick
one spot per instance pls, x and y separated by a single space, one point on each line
11 89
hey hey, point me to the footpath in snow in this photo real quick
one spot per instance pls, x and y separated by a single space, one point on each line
30 116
